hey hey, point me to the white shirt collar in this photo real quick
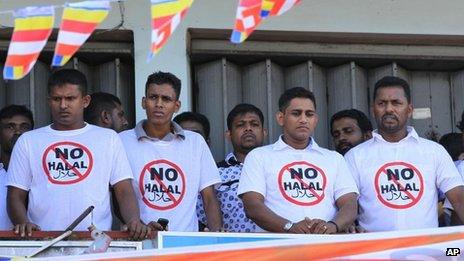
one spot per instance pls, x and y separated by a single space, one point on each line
412 134
281 145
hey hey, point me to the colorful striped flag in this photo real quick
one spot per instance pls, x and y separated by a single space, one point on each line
32 27
247 19
276 7
79 21
166 16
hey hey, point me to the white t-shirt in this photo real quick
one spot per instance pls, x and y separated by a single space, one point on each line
460 166
398 182
297 183
5 223
169 175
67 171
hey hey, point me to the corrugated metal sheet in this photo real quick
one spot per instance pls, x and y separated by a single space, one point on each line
341 87
114 77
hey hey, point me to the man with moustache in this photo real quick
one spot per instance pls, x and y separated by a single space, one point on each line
14 121
105 110
293 185
397 172
349 128
245 131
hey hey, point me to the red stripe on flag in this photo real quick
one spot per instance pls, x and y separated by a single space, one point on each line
77 26
30 35
66 49
21 60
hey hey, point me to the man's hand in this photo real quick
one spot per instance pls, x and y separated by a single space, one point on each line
155 226
319 226
137 230
352 229
302 227
25 228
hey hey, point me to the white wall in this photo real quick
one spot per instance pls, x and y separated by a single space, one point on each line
368 16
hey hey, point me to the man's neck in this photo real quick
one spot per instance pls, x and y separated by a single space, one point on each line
61 127
240 156
394 137
299 145
5 159
156 131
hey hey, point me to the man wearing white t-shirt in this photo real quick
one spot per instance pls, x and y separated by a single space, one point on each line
170 165
397 172
14 121
57 171
293 185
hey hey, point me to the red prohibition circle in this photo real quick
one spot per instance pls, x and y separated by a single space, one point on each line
285 169
78 174
145 170
414 200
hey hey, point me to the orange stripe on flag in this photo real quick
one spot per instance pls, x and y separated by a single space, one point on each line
30 35
77 26
309 252
66 49
20 60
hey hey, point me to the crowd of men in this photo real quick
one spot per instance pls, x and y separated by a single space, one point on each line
376 180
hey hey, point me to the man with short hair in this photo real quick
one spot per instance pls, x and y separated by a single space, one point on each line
245 131
293 185
58 171
194 121
397 172
349 128
14 121
105 110
171 165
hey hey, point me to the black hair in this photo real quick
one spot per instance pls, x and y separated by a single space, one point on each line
68 76
295 92
461 123
241 109
100 101
195 117
159 78
362 120
392 81
10 111
453 143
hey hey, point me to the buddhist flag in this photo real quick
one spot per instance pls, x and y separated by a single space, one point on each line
276 7
165 17
79 21
247 19
32 27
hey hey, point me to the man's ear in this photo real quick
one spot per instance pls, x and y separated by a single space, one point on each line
177 104
367 135
280 118
144 101
86 100
105 117
227 135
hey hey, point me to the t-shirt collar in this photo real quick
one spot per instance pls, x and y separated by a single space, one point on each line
2 166
176 132
281 145
412 135
232 160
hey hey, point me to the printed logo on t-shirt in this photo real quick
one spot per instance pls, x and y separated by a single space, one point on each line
399 185
67 162
302 183
162 184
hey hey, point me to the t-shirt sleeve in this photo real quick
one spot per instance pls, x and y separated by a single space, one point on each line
352 168
209 173
448 176
120 168
19 169
344 182
460 168
252 177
